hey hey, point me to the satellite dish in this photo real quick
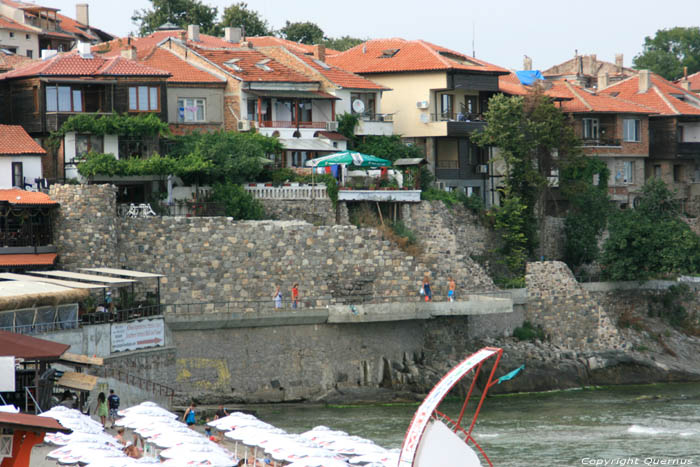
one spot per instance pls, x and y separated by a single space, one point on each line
358 106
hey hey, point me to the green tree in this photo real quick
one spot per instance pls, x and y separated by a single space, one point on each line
238 203
240 16
528 131
669 51
304 32
179 12
342 43
589 206
388 147
650 241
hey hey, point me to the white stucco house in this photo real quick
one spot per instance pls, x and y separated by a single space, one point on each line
20 158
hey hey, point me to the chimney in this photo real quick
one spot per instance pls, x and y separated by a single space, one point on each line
320 52
685 84
232 34
82 14
619 61
84 49
643 81
527 63
129 53
193 32
602 80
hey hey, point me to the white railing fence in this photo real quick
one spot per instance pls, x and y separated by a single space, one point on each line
292 192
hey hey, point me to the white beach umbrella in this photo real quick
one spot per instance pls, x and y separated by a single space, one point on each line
318 462
232 418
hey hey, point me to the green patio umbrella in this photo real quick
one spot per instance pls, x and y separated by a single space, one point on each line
348 158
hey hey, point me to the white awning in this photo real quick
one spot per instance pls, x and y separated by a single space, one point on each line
303 144
46 280
110 281
124 273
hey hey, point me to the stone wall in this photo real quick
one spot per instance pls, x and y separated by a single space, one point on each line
568 313
85 229
552 239
316 212
219 259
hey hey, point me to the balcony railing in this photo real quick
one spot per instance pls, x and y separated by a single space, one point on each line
455 117
601 142
301 192
375 117
291 124
689 148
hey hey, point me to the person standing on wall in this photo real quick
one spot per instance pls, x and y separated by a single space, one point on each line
427 291
113 401
277 297
451 286
295 295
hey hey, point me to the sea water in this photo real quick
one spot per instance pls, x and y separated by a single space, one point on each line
627 425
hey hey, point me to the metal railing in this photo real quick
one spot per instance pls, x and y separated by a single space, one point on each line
142 383
28 329
604 142
318 302
120 316
456 117
291 124
375 117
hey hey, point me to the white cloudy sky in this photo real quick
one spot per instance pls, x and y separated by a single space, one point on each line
547 30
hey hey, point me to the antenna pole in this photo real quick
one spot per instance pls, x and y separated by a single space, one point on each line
473 37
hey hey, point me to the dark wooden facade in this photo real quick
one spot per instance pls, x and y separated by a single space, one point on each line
24 100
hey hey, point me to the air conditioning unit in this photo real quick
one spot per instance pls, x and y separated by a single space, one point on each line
422 104
5 446
244 125
482 168
332 126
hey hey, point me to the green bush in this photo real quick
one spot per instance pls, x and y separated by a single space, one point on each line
528 332
237 202
400 229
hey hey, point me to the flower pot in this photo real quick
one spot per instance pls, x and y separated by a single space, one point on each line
252 184
268 184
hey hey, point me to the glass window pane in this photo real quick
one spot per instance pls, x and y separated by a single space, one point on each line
77 100
132 99
154 98
96 143
64 99
200 110
51 95
143 97
180 110
81 144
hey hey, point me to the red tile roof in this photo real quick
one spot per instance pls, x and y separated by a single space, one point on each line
28 347
417 55
11 61
14 140
180 70
335 75
72 26
333 135
9 23
72 64
39 259
694 80
246 60
145 44
17 196
660 97
28 422
271 41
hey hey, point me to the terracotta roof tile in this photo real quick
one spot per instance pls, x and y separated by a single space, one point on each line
373 57
15 140
337 76
246 65
72 26
271 41
22 197
694 81
11 61
180 70
145 44
661 96
72 64
8 23
39 259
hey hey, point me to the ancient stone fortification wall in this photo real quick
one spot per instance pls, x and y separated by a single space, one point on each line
218 259
447 231
317 211
566 311
552 239
85 230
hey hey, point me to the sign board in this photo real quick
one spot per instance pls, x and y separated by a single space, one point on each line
7 374
138 335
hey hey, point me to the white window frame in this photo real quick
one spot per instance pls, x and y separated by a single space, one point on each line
631 130
184 102
628 172
591 128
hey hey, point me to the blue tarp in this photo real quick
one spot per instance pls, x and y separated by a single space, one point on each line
528 77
